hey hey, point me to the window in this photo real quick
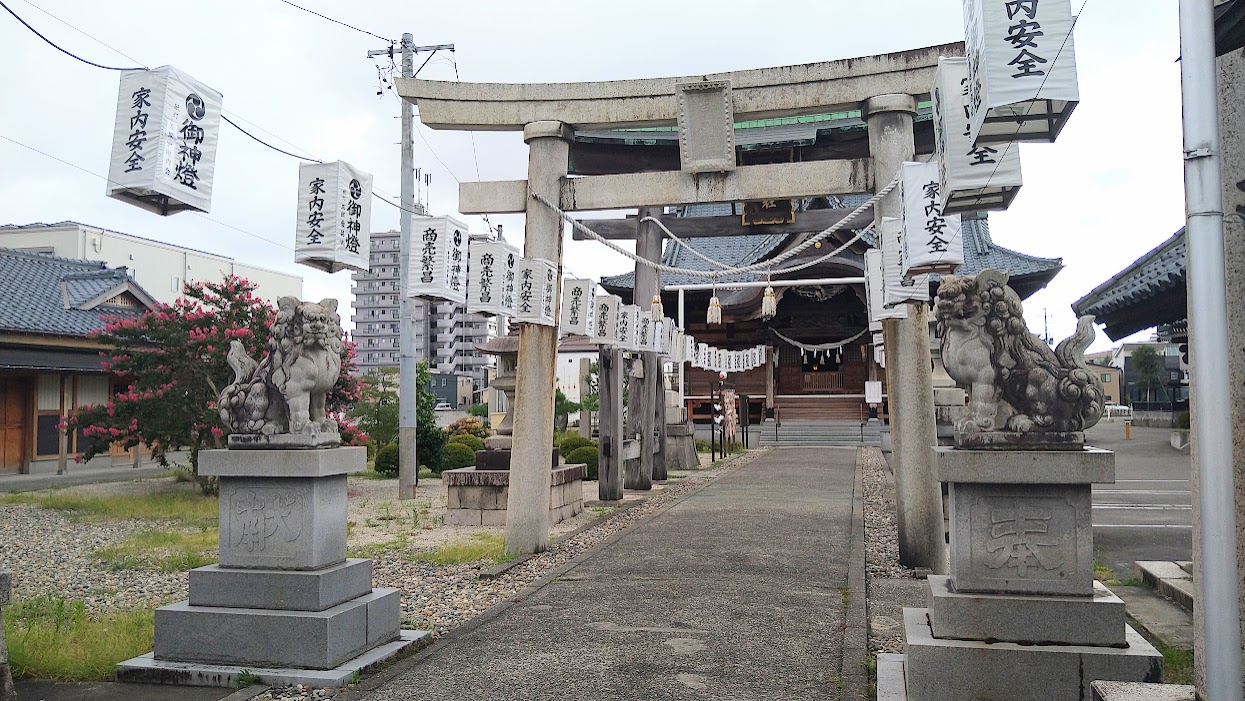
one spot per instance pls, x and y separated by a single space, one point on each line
1105 377
443 382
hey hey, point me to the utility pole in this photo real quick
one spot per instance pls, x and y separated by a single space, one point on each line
408 463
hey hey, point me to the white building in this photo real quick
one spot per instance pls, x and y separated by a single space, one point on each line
161 268
445 335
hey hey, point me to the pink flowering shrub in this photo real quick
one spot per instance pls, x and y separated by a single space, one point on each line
169 366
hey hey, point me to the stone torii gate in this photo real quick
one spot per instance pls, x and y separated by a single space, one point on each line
704 107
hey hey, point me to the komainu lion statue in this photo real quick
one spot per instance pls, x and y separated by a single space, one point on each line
285 392
1016 383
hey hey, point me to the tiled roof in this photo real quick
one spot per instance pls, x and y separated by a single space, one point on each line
35 288
1147 293
980 252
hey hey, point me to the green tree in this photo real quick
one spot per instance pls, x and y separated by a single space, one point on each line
170 367
377 408
1148 369
562 410
590 396
429 438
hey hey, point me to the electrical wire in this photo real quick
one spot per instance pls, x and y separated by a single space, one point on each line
350 26
109 180
265 143
89 36
64 51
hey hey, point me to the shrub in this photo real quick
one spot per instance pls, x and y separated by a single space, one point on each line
468 440
387 459
586 454
572 442
702 446
469 425
457 455
480 410
1182 420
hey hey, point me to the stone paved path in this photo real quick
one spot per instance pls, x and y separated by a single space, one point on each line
736 592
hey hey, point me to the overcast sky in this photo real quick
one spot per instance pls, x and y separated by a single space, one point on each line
1107 192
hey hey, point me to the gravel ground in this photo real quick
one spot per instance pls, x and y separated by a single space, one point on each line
50 554
881 539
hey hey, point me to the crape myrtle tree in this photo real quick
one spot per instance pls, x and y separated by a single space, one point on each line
169 366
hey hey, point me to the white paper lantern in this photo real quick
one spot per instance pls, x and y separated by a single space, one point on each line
973 178
164 141
535 292
932 241
628 331
702 356
897 288
1021 69
332 229
644 332
605 319
576 306
437 269
875 284
490 277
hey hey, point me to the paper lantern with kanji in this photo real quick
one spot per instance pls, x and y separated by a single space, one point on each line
535 292
164 141
490 277
605 319
576 306
437 269
931 240
874 284
972 178
333 225
898 288
1021 69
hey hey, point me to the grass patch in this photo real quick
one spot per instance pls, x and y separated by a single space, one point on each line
480 547
372 475
55 639
166 551
1177 661
1103 573
182 504
375 550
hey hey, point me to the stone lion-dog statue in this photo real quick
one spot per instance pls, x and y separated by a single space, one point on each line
1020 391
284 393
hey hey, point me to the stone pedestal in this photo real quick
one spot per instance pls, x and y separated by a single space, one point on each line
681 447
1019 617
284 602
478 497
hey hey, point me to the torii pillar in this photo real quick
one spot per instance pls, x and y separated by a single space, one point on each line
918 496
527 513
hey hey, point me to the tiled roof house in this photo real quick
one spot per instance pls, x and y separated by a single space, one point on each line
48 365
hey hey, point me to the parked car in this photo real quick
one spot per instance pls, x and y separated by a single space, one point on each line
442 406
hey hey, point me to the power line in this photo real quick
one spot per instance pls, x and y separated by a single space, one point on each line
334 21
274 148
58 48
109 180
89 36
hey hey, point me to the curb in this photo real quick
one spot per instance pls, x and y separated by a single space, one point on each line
855 649
1169 579
382 677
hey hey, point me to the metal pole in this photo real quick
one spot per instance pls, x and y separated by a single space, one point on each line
1208 350
408 460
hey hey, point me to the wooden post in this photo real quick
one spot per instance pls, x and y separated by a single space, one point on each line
638 473
610 443
644 399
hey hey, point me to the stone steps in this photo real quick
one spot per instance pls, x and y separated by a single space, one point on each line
1171 579
820 433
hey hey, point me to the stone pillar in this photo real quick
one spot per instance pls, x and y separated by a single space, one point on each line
6 677
918 496
1232 148
527 515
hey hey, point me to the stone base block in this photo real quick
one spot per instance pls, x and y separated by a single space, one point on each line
480 497
939 670
1021 538
1086 466
1017 440
270 638
283 463
891 683
285 441
1045 620
1136 691
282 523
280 589
145 669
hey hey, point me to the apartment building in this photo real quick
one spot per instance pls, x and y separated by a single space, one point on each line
445 335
